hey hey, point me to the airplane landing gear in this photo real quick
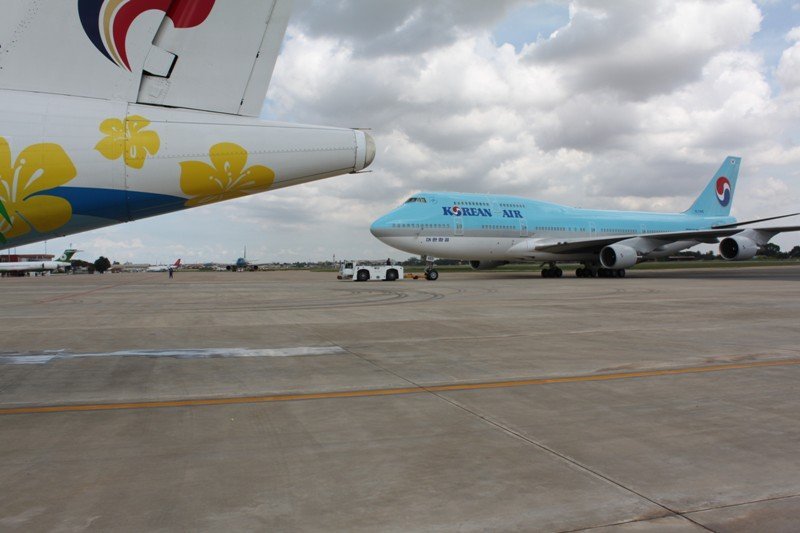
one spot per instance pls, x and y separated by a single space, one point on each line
552 271
588 270
430 273
592 271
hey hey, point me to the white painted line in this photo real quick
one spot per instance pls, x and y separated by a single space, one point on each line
40 358
26 359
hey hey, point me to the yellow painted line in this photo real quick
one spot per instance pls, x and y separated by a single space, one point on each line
608 377
394 391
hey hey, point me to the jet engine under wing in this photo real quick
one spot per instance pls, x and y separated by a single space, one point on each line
595 244
222 64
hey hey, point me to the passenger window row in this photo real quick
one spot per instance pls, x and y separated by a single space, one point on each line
485 204
559 228
399 225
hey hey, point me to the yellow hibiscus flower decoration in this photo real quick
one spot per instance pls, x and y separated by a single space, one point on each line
128 138
38 167
225 178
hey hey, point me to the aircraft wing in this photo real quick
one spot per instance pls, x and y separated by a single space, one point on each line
211 55
745 222
653 240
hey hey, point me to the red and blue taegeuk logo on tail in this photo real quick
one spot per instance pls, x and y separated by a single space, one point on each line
723 191
106 22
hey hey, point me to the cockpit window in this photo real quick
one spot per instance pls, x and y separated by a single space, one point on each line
416 199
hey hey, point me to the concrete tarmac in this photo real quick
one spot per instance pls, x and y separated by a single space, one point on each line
289 401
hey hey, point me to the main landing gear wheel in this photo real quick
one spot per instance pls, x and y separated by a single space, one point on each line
431 275
552 272
587 271
609 273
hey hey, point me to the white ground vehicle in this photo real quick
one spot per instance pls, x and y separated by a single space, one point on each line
354 271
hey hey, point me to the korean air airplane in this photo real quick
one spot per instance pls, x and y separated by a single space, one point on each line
116 110
493 230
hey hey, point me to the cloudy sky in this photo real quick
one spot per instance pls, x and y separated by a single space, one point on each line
619 104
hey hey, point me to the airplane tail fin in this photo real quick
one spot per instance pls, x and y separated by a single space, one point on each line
67 255
717 198
177 263
209 55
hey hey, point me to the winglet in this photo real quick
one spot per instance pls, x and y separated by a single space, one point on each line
717 198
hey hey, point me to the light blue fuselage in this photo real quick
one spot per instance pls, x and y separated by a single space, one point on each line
507 228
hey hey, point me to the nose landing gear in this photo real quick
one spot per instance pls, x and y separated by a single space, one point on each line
430 273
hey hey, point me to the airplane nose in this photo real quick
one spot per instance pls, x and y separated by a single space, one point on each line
375 230
365 150
379 228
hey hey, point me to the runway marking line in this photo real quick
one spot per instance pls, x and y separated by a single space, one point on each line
393 391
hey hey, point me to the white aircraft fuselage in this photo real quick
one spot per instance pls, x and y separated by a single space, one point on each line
80 188
34 266
62 263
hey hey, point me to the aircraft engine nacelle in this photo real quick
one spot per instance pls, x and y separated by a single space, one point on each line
616 256
486 265
738 248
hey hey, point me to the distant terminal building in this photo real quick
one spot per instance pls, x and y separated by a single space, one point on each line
13 258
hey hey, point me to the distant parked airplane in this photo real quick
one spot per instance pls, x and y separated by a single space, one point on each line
61 263
243 264
117 110
163 268
493 230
